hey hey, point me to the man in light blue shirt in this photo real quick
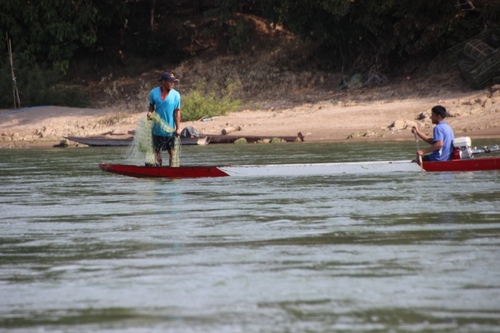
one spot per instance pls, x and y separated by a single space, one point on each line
441 143
165 101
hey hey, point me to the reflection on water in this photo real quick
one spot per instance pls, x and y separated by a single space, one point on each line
84 250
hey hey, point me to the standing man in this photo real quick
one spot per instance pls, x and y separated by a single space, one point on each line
166 102
442 141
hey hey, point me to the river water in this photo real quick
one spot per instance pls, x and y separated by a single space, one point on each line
82 250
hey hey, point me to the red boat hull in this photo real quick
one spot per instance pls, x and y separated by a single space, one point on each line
475 164
166 172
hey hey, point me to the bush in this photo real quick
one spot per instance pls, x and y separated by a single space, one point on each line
204 101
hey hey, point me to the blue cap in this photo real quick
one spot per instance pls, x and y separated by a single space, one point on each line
168 77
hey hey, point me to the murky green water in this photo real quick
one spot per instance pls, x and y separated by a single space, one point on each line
82 250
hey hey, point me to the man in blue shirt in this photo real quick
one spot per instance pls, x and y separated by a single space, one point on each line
165 101
442 141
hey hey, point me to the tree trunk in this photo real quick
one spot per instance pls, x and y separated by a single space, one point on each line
153 5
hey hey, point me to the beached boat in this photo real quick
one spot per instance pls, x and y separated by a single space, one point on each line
203 139
314 169
102 141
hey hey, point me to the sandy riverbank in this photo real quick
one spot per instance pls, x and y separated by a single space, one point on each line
475 114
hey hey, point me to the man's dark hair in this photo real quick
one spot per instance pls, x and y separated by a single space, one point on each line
440 111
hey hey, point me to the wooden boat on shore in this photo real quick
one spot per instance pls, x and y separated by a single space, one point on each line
203 139
103 141
100 141
315 169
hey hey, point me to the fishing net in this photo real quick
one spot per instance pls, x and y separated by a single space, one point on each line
141 150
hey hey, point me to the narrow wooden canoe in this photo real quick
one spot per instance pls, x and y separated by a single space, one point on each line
480 164
316 169
99 141
204 139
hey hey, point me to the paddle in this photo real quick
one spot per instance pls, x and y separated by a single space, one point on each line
418 148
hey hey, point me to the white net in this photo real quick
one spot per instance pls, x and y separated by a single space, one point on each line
141 150
177 153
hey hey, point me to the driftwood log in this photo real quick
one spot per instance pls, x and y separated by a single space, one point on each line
230 129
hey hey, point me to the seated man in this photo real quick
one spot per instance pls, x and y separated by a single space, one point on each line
442 141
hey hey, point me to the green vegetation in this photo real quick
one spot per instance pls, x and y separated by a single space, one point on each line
51 32
239 36
39 86
204 101
383 33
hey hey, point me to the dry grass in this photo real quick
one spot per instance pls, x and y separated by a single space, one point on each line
114 119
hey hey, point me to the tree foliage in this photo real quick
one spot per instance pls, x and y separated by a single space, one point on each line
50 32
378 32
38 86
359 33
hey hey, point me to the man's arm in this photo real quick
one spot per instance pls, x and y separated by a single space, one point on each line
177 118
435 146
424 137
151 108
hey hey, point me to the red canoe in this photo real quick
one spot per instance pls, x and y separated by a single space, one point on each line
476 164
